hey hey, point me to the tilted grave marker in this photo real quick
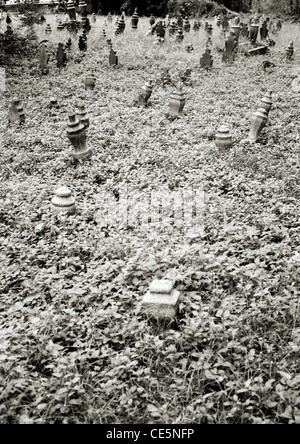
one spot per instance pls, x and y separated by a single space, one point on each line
258 122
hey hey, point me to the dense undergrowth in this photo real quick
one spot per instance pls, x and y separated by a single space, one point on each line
74 346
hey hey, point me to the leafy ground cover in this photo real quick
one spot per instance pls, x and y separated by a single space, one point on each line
74 346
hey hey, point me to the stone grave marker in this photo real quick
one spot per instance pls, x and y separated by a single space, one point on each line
289 52
236 28
76 133
113 58
135 19
61 56
177 101
90 82
82 44
145 92
109 17
180 22
223 139
63 201
258 122
152 20
230 49
196 25
264 30
160 30
186 25
253 31
172 28
206 61
43 59
161 300
81 115
48 29
16 112
225 23
71 10
179 35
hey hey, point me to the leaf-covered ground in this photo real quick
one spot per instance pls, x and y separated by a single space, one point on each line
74 346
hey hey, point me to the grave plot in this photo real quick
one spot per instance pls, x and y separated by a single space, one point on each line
112 213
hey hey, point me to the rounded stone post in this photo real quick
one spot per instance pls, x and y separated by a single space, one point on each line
63 201
223 139
145 92
177 101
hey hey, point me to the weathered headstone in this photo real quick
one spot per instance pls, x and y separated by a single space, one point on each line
172 28
236 28
160 30
152 20
63 201
76 133
43 59
48 29
206 61
113 58
264 30
230 49
82 44
134 19
145 92
253 30
289 52
223 139
179 35
196 25
71 10
61 56
161 300
16 112
90 82
186 25
177 101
